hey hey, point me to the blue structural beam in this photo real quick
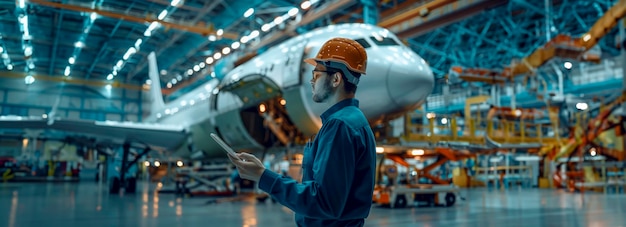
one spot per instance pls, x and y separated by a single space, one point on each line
193 41
370 12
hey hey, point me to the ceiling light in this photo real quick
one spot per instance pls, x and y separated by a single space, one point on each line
567 65
278 20
67 71
114 72
29 79
265 27
93 16
292 12
175 2
110 77
235 45
162 15
217 56
108 87
71 60
1 49
31 65
248 12
148 81
189 71
79 44
10 67
202 65
226 50
28 51
174 81
179 77
305 5
220 32
209 60
138 43
253 34
196 68
212 38
169 85
244 39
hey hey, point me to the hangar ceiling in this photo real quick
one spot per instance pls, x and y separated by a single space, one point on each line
59 38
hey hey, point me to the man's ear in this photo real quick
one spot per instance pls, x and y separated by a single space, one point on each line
336 79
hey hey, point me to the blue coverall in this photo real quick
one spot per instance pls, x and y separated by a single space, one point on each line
338 172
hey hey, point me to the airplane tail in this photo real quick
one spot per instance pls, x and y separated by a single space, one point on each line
155 87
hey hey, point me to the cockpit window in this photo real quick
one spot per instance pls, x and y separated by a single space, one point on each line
384 41
363 43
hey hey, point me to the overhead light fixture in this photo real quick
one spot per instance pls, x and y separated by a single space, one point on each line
162 15
265 27
235 45
67 70
138 43
196 68
10 67
175 2
209 60
292 12
79 44
226 50
189 71
248 12
567 65
108 87
278 20
29 79
212 38
110 77
149 82
217 56
28 51
93 16
305 5
71 60
202 65
220 32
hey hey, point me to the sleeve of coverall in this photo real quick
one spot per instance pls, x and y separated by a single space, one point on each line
325 196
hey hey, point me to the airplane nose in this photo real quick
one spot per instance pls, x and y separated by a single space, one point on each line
409 82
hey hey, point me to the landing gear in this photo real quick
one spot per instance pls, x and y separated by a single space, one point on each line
122 171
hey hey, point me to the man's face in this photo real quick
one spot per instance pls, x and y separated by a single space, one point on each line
321 84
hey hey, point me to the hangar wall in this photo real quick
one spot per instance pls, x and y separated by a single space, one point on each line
74 101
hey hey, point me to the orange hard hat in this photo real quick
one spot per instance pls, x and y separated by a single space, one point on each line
344 51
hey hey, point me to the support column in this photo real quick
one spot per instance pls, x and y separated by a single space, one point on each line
622 36
370 11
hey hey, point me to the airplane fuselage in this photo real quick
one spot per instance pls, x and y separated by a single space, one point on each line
274 88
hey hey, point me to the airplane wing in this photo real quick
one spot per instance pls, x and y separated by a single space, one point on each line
164 136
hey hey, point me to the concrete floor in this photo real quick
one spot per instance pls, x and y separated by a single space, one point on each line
86 204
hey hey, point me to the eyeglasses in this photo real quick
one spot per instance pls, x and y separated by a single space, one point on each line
316 76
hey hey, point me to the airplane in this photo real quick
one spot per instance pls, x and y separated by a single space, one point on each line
264 102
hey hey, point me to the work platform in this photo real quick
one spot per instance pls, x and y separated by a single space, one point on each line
86 204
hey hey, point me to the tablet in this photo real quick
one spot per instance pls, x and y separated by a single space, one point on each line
223 144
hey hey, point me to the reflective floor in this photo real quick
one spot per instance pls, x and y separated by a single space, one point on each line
85 204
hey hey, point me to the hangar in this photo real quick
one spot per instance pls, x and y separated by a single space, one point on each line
483 111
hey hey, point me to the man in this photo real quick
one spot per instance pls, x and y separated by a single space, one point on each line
339 165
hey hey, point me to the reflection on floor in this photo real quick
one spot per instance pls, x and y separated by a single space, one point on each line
86 204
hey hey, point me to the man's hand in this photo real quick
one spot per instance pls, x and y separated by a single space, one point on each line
249 167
